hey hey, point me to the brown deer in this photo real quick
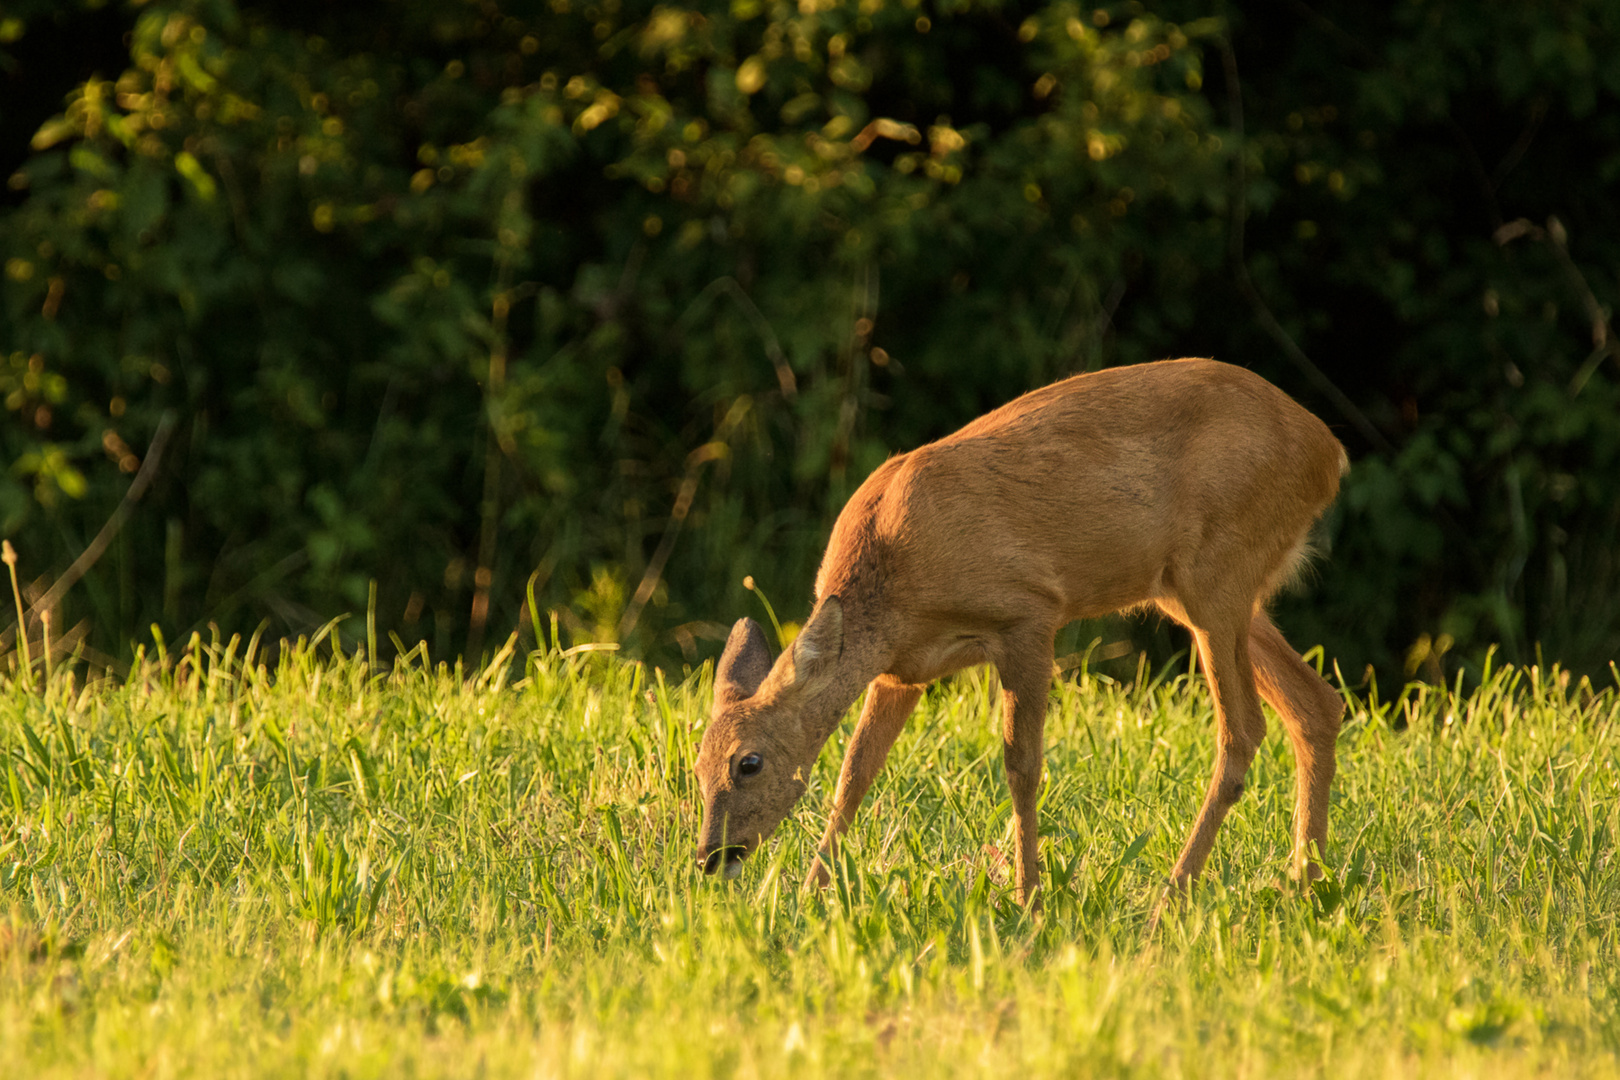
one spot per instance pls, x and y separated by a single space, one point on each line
1190 485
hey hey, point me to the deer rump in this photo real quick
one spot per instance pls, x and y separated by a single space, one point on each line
1187 484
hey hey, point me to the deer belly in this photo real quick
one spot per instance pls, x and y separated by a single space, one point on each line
941 656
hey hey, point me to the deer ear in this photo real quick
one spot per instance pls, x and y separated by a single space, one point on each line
820 643
744 663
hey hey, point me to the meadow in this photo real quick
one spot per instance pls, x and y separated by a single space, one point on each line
227 866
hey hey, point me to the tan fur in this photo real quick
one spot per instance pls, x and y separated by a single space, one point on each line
1187 484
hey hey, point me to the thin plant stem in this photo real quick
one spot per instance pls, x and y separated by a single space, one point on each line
9 554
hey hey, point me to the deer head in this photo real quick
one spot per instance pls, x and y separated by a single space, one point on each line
762 736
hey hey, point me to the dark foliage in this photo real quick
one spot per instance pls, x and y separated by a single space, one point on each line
594 308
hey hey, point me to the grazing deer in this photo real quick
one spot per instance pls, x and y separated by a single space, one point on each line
1186 484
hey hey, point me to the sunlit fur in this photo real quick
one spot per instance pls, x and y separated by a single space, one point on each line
1188 485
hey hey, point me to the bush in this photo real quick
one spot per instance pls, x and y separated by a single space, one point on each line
611 305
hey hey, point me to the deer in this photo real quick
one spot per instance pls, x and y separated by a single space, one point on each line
1187 485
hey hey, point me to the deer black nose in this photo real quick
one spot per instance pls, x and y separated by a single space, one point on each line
720 857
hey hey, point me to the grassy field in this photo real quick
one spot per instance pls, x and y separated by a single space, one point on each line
217 869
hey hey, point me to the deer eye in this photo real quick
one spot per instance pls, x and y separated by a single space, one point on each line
750 764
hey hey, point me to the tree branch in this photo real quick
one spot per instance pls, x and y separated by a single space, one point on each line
98 546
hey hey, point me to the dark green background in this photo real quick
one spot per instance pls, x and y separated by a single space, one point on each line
474 299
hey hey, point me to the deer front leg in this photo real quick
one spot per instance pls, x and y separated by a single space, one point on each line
889 703
1026 677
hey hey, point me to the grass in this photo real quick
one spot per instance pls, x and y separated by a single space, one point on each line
219 868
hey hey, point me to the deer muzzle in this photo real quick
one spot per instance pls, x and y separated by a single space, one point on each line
729 858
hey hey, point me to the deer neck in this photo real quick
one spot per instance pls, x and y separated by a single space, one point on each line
825 708
865 656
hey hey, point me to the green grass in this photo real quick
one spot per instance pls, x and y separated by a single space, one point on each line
218 869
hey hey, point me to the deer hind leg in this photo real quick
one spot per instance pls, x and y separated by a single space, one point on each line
889 703
1311 713
1240 726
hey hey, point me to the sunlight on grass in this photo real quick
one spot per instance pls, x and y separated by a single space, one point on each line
219 867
